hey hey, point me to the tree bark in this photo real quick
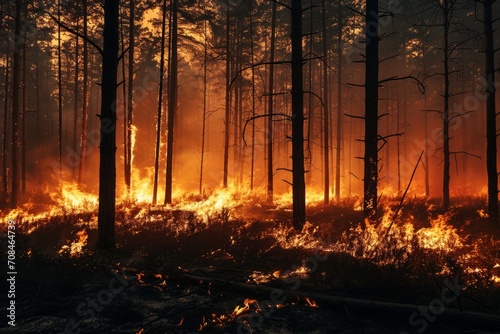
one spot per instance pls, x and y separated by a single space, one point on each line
339 103
205 104
371 111
6 121
76 95
107 162
172 105
59 89
491 145
15 104
228 100
83 142
270 181
446 113
299 187
160 100
130 95
326 111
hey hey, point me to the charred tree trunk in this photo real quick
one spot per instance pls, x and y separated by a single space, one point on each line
6 121
172 105
446 113
75 106
24 104
270 181
371 111
299 187
252 163
107 162
83 140
160 100
339 105
130 95
59 89
491 129
205 99
124 99
228 99
15 103
326 111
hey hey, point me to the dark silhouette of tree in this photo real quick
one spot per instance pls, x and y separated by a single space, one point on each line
299 187
227 98
107 159
371 110
85 103
160 100
130 95
15 102
491 128
172 104
270 109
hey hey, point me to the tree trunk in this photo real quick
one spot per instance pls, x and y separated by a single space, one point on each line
160 100
446 113
204 116
299 187
491 145
371 111
15 104
24 105
339 104
124 101
130 95
228 100
83 142
6 120
326 111
270 181
107 162
77 74
59 89
172 105
252 164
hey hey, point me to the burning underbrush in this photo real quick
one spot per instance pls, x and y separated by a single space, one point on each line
241 239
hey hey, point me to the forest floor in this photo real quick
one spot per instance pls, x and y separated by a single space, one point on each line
245 270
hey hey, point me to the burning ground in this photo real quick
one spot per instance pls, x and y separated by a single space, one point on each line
229 263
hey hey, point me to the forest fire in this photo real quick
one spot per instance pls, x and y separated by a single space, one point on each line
250 166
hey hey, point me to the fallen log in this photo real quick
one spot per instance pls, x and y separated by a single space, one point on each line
332 300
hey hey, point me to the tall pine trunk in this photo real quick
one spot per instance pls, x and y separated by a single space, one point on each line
172 105
107 159
76 92
227 100
160 100
446 113
299 187
6 121
339 104
59 90
205 99
491 134
270 181
371 111
130 95
15 104
326 110
83 140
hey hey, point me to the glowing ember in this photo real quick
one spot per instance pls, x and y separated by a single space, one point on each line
242 309
310 302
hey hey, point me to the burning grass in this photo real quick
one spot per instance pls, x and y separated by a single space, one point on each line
400 258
